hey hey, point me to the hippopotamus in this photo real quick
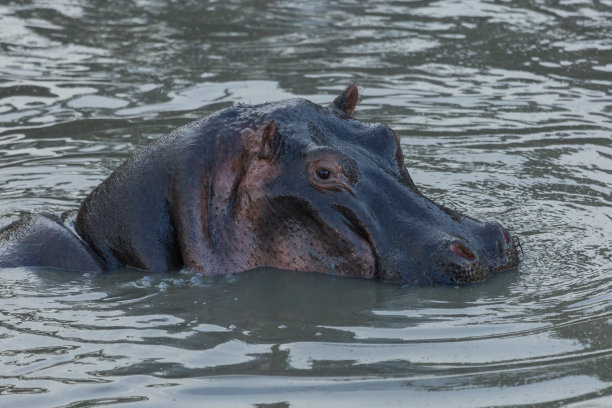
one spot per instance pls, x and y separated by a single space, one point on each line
290 185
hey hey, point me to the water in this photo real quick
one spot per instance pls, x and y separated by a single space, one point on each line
505 112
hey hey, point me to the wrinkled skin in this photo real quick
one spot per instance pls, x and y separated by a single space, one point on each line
291 185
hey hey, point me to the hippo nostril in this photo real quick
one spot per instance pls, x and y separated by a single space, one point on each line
506 235
462 251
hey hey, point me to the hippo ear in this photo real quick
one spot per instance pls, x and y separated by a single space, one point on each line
347 101
263 141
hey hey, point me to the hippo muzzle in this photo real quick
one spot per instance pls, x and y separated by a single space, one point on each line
417 240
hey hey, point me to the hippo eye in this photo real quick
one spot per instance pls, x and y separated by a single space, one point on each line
327 175
323 174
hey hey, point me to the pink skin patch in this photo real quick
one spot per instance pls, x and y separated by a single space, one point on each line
462 251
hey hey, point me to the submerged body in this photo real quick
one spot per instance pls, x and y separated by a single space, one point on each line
291 185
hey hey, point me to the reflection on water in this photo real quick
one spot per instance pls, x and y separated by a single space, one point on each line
504 110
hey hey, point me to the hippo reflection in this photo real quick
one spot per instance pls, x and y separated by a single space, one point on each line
291 185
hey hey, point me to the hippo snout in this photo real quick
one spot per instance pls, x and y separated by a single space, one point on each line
469 259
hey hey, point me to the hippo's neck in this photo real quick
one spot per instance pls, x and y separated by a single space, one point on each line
126 220
183 201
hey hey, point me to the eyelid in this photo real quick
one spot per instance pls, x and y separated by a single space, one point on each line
327 164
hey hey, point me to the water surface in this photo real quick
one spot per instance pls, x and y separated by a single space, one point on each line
504 111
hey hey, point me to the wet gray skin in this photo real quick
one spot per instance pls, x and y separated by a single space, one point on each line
291 185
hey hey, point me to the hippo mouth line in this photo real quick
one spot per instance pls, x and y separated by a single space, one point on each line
362 233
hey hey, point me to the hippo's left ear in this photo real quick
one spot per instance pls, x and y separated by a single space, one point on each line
347 101
263 142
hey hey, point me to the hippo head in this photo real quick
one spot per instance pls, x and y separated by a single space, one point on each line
327 193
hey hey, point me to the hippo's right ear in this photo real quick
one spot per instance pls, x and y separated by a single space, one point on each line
263 141
347 101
